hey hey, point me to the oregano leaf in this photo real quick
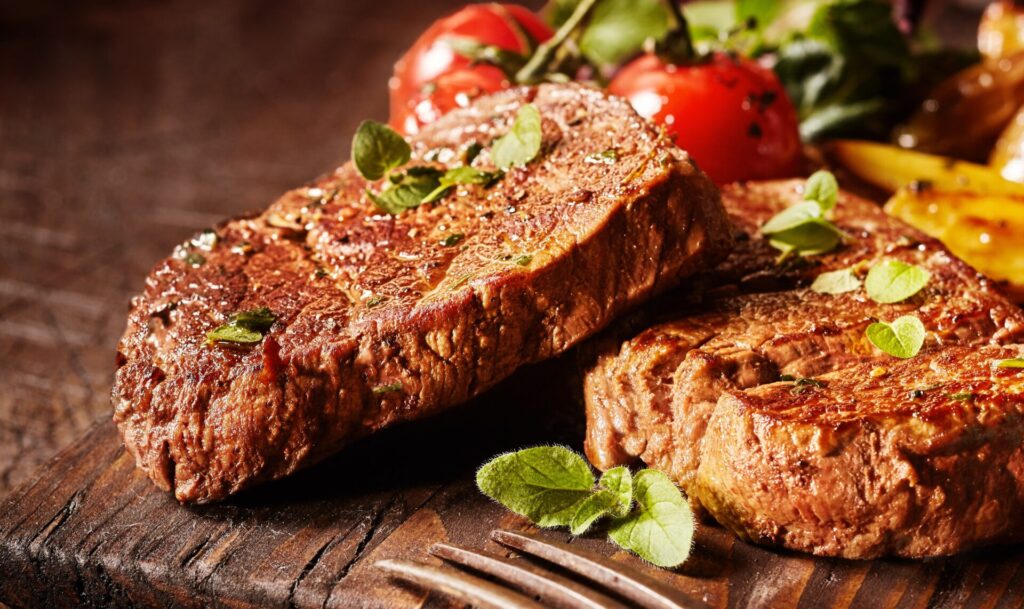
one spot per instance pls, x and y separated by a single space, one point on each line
544 483
591 509
522 142
892 281
619 481
902 338
661 529
822 188
1015 362
377 149
836 282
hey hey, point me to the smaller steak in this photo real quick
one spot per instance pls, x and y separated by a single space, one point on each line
382 319
651 396
927 459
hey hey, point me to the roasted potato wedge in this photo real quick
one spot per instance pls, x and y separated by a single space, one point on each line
983 229
890 168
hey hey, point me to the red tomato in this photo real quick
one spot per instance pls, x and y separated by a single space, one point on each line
506 26
449 91
732 115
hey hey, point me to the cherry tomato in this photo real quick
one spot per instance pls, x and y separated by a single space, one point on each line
449 91
732 115
509 27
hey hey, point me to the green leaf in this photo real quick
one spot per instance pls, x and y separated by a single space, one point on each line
591 509
822 188
892 281
619 481
522 143
902 338
661 529
452 239
410 189
618 29
477 52
243 327
1016 362
809 239
836 282
377 149
545 483
462 175
792 217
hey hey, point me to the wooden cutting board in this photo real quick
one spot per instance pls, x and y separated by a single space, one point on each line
90 530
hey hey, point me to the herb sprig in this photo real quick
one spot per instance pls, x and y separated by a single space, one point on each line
892 281
245 327
803 229
379 152
554 486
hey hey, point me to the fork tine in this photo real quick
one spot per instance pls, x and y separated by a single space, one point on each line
630 583
556 591
479 592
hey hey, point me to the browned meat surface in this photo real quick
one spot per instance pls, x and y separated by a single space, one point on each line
928 459
652 396
382 318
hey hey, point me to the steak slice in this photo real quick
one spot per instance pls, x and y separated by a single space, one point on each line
927 459
384 318
652 396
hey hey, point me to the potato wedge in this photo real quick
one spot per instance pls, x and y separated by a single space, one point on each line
983 229
891 168
1008 155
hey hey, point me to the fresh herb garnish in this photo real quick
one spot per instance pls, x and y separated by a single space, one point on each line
523 260
963 396
522 142
378 149
407 190
461 175
892 281
452 239
243 327
605 157
902 338
1015 362
194 259
801 384
389 388
836 282
803 228
554 486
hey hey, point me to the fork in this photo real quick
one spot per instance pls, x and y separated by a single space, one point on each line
555 590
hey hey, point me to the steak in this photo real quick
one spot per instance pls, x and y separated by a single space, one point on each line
386 318
653 395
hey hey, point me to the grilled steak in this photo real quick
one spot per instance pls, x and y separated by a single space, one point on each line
382 318
653 395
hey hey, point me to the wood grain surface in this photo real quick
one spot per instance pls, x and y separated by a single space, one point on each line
125 126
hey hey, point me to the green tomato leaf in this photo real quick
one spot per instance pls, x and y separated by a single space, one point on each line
545 483
617 30
522 143
792 217
892 281
902 338
822 188
661 529
836 282
619 481
377 149
591 509
1016 362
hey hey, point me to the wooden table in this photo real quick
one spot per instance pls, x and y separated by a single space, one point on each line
124 128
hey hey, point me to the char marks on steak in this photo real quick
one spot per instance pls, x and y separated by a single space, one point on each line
680 393
381 318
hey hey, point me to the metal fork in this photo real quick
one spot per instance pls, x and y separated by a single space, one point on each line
555 590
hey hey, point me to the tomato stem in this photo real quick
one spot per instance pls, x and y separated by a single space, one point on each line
678 45
531 72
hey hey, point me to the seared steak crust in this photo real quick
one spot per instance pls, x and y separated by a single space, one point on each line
388 318
652 396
